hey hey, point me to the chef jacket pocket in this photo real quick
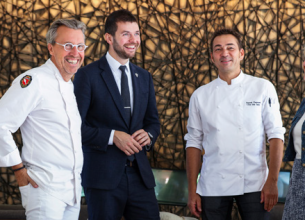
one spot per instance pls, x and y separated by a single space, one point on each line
253 117
24 191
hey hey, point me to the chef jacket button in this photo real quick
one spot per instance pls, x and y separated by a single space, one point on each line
222 177
218 129
240 176
217 106
240 151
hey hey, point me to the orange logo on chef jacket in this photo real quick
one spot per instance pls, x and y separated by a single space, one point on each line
25 81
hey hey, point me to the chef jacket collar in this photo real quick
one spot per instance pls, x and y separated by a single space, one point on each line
56 71
234 81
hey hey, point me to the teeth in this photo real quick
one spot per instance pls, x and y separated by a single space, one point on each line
72 61
130 47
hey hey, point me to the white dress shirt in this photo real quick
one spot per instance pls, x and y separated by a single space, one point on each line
117 73
47 114
297 137
230 122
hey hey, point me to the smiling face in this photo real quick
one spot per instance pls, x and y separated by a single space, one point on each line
125 42
67 62
226 56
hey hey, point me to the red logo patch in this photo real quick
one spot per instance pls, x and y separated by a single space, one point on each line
25 81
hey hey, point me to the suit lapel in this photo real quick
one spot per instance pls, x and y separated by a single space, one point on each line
136 92
108 77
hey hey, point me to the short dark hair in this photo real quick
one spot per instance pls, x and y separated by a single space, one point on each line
115 17
225 31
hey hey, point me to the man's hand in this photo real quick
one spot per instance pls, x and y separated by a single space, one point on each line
269 194
126 143
194 204
22 177
193 163
141 137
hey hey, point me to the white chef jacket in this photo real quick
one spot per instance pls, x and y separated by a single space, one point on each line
47 114
229 122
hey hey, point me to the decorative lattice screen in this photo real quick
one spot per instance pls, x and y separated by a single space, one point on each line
175 49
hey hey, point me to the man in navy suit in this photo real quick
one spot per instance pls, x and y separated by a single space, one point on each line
117 103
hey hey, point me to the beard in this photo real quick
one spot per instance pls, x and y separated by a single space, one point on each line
120 51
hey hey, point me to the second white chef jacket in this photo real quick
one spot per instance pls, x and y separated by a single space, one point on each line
230 122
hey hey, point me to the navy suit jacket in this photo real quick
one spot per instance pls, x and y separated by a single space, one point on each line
101 109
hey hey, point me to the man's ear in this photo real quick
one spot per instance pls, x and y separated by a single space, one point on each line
108 38
241 53
50 48
212 57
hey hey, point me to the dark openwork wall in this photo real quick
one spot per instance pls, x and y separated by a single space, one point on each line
175 49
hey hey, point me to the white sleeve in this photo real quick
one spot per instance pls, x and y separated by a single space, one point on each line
110 141
194 137
15 105
272 118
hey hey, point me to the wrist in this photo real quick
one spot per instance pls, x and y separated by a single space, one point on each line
272 178
151 137
18 169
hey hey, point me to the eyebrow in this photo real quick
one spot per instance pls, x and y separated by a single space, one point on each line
229 44
129 31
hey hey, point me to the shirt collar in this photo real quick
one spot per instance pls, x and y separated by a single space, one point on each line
56 72
234 81
114 64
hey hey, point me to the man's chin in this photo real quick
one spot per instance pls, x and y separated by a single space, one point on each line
127 56
72 71
131 55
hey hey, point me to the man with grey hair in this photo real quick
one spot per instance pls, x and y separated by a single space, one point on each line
42 103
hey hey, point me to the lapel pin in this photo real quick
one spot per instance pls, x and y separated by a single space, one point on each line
136 74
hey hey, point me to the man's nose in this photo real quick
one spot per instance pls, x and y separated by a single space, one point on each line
132 38
224 52
74 50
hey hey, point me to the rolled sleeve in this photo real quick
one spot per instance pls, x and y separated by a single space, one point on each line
194 137
11 159
272 118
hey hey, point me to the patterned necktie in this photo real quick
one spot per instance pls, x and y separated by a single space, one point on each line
126 99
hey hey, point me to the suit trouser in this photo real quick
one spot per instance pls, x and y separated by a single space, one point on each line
40 205
130 199
220 207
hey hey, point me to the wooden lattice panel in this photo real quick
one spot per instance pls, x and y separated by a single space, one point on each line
175 49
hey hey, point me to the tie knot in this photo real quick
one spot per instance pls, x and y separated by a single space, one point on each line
122 68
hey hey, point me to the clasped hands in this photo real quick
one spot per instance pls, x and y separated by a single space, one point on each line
131 144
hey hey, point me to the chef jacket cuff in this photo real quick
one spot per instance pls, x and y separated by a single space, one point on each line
10 159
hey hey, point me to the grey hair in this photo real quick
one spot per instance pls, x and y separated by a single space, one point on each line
70 23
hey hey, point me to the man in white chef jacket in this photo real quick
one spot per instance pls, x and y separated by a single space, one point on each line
41 102
228 119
